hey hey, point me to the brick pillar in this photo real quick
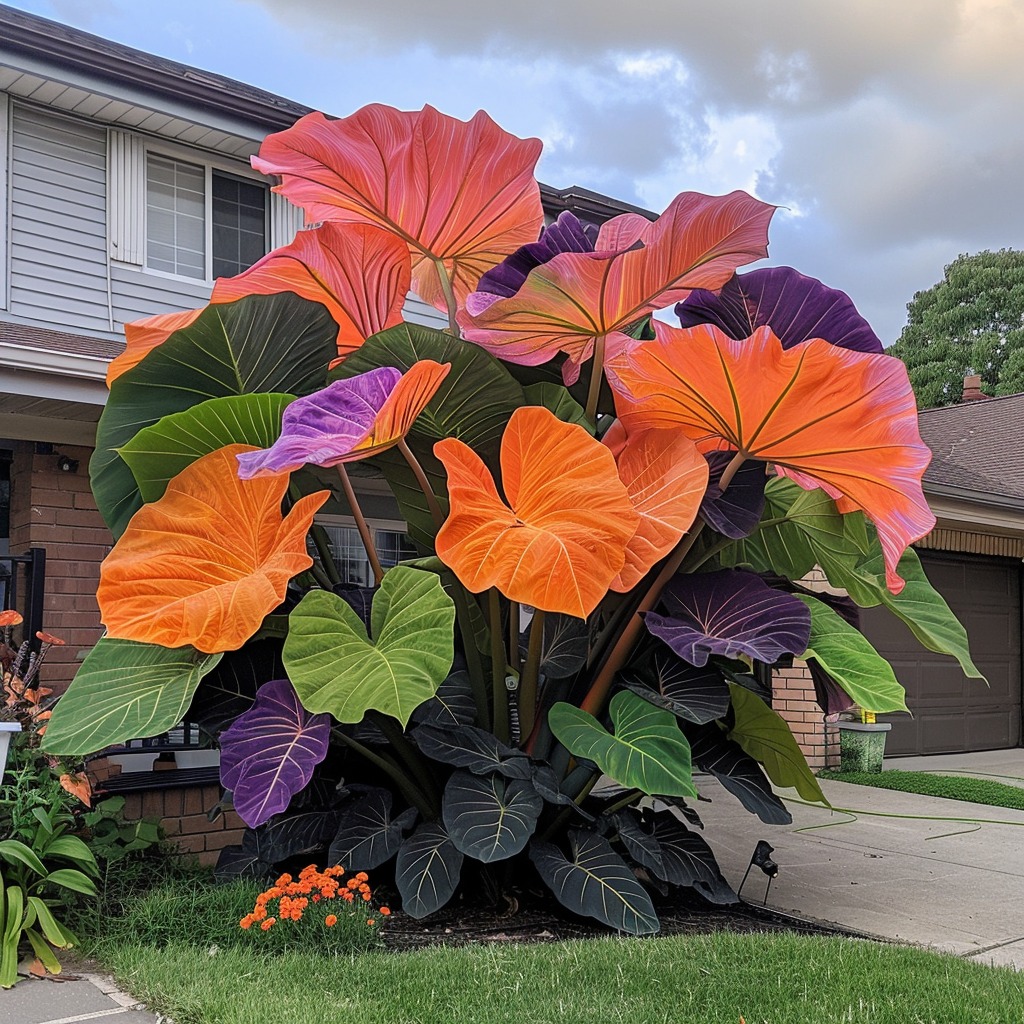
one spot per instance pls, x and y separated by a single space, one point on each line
53 509
793 698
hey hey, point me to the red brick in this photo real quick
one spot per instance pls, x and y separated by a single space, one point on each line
218 840
190 844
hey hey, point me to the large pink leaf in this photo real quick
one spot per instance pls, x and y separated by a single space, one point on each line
576 298
462 193
843 418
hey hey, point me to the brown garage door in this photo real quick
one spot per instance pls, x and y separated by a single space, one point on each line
951 712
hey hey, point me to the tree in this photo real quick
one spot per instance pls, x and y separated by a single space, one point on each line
971 322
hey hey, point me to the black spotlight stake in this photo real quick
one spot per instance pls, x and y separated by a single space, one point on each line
762 858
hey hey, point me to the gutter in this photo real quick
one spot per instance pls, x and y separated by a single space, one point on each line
986 498
62 364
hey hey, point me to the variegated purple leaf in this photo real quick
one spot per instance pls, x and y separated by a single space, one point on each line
795 307
324 427
735 512
731 613
269 753
567 234
831 697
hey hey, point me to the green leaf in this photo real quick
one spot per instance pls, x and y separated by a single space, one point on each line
335 667
15 852
782 547
159 453
72 848
918 604
125 690
763 734
849 658
262 343
473 403
596 883
54 932
45 954
489 818
70 878
557 399
648 751
427 869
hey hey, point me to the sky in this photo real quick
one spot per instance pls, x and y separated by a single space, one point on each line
889 132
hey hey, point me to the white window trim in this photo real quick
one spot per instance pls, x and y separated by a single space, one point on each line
281 223
6 144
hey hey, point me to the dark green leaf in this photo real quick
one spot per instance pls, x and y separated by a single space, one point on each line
489 818
453 704
367 834
557 399
688 860
565 645
477 750
427 870
663 679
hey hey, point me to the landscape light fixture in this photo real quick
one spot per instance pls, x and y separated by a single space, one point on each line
762 858
66 464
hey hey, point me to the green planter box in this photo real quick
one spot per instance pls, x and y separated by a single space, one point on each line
862 746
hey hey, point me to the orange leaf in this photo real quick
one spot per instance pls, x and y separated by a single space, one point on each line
576 298
142 336
666 477
459 192
10 618
561 539
847 419
78 785
206 563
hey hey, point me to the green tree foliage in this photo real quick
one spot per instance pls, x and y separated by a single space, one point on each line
971 322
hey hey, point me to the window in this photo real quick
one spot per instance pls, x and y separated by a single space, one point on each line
350 557
201 222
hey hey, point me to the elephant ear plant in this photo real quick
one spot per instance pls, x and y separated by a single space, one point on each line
611 513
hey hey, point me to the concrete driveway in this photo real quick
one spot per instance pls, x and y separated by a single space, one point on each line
939 873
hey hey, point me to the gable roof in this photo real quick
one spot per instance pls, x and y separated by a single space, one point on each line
978 447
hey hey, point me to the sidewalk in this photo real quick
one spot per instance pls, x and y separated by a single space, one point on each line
83 997
944 875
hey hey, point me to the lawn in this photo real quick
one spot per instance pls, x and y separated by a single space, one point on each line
952 787
707 979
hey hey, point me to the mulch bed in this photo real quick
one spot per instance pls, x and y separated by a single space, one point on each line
535 917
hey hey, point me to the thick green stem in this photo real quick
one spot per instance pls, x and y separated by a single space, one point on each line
422 772
625 801
596 376
364 531
424 483
499 667
323 549
598 692
530 674
513 635
449 297
408 788
474 659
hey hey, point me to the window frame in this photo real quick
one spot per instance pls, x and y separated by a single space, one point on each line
209 164
374 523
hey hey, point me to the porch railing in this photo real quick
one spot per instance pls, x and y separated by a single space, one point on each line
23 588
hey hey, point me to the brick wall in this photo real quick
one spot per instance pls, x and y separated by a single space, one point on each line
55 510
183 814
793 698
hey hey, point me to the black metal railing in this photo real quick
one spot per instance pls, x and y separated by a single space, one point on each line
23 588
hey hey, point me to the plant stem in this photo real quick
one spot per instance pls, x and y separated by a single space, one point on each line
499 695
421 479
625 801
528 679
364 531
598 692
563 815
408 788
409 754
513 635
474 659
449 297
323 549
596 376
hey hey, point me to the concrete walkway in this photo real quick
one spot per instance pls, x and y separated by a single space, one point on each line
938 873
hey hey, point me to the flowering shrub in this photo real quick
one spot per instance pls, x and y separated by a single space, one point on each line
317 895
612 515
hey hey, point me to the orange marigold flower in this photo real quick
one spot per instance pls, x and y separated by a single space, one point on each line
331 920
316 899
269 923
353 883
370 921
259 913
366 897
385 911
363 876
246 921
284 879
348 896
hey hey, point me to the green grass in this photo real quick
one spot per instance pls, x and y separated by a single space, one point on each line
952 787
768 979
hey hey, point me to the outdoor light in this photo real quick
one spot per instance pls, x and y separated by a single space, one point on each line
762 858
66 464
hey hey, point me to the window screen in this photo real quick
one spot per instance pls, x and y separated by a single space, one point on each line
239 224
175 217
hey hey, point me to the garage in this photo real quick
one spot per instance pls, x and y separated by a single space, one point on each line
953 713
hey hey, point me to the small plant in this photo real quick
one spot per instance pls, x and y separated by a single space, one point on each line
112 838
317 896
35 878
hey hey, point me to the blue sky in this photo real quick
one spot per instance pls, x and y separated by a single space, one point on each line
891 133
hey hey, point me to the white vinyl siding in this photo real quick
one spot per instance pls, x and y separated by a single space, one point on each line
58 221
285 221
5 156
126 159
417 311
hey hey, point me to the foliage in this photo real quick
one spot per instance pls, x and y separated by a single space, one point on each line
720 977
971 322
35 876
610 515
951 787
111 838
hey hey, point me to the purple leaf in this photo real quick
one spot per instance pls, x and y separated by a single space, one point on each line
359 599
324 427
795 307
735 512
269 753
567 234
831 697
731 613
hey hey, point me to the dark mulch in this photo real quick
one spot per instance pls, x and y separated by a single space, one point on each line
534 917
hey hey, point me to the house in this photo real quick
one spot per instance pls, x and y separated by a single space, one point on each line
975 558
125 189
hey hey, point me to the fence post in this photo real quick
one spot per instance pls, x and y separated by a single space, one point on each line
35 595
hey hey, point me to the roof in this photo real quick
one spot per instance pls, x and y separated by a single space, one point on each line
44 339
167 79
978 446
